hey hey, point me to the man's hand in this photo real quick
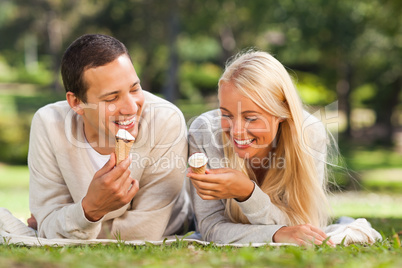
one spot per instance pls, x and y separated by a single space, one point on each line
110 189
305 234
32 222
222 183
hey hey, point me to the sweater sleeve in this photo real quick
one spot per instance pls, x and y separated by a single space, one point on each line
259 209
213 224
50 200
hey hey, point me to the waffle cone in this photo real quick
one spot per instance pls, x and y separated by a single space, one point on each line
122 149
199 170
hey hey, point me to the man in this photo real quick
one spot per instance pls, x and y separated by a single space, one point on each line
76 189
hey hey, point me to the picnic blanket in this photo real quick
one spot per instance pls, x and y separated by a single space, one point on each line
14 231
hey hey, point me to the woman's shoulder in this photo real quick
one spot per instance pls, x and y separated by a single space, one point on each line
209 120
312 124
205 135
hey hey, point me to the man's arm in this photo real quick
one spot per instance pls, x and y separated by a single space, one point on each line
51 202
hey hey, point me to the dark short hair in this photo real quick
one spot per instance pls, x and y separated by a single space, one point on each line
88 51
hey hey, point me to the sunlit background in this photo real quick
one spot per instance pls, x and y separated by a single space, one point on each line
344 55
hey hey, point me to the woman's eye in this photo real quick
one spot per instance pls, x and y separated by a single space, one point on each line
226 116
251 119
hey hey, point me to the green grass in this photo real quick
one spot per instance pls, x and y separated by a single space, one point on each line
183 254
14 190
373 157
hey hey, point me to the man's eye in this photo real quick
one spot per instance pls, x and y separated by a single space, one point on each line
111 99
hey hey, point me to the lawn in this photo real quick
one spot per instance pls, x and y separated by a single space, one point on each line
183 254
382 210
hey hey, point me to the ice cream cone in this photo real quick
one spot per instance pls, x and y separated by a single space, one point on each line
124 141
198 163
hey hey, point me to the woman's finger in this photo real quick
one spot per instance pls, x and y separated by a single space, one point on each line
317 230
218 170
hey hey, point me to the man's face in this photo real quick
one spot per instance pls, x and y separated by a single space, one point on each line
114 100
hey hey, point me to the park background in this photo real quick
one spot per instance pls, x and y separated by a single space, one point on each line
344 57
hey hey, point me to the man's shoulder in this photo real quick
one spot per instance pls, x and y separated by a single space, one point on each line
160 110
152 99
56 108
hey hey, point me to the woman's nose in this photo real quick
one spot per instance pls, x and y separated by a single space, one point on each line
238 127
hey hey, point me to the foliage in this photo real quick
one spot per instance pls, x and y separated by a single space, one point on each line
17 105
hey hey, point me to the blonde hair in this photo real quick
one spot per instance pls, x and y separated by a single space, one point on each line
296 189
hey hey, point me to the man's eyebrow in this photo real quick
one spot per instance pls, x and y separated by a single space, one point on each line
108 94
117 91
135 83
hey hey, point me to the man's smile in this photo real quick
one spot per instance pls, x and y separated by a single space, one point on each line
125 123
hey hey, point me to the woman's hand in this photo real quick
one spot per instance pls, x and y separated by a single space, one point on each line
223 183
305 234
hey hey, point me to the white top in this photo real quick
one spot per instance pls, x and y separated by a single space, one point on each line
98 160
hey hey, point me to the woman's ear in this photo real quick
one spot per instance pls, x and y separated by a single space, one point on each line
280 119
75 103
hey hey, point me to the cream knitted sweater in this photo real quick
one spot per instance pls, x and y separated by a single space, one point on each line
61 171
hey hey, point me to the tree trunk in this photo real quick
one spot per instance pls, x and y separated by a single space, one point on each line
383 126
55 44
171 84
343 89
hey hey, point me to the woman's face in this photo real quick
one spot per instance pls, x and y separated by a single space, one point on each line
250 129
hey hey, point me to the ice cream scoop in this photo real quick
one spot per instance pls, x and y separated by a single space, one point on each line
198 163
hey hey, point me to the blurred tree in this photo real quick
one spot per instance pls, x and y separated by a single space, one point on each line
345 44
381 65
49 22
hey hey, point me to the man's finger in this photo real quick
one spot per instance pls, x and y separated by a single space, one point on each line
108 166
119 170
132 187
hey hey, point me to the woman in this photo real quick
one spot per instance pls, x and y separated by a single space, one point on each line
266 174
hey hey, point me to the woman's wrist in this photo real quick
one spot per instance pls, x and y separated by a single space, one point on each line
247 191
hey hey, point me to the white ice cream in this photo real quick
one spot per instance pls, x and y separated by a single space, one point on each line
197 160
124 135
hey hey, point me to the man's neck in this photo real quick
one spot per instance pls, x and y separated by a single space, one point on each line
100 144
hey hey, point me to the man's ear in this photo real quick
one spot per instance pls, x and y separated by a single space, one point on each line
75 103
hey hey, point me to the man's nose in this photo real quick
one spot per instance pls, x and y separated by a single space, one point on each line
129 106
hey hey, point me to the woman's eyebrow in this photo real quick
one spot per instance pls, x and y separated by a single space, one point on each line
250 112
